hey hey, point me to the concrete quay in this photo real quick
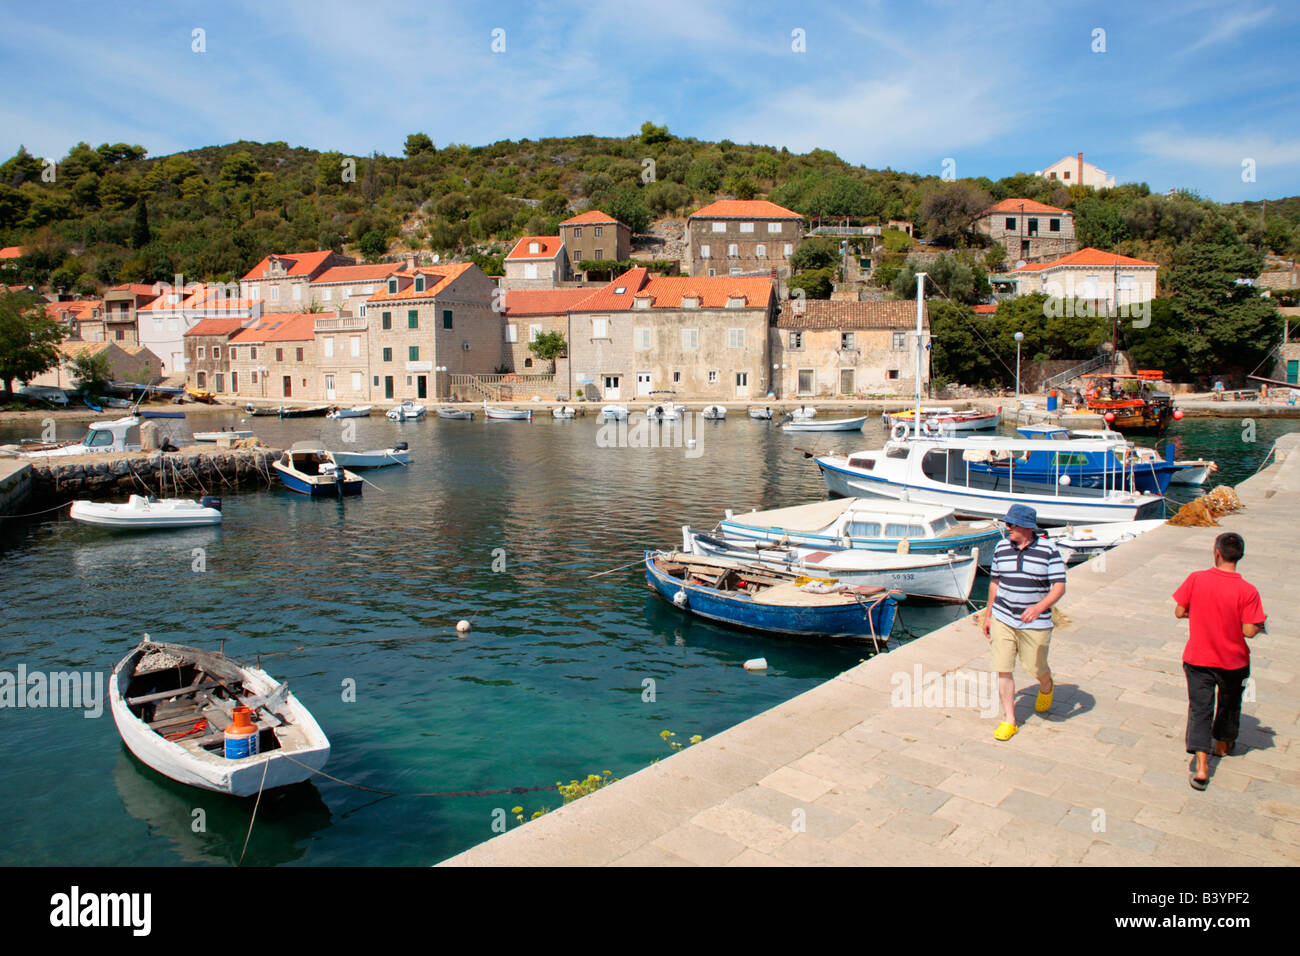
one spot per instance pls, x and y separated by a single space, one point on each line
867 770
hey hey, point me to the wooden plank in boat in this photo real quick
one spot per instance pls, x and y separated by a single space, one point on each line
169 694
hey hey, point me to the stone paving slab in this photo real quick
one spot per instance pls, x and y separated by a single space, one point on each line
840 776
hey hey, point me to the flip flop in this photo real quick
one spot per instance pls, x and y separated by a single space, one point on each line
1197 784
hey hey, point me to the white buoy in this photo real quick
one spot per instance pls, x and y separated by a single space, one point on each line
680 599
757 664
1065 479
462 626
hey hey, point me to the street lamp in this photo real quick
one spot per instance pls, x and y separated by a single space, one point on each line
437 394
1019 338
776 379
263 370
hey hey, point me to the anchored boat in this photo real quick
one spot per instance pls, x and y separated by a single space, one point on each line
774 602
173 705
146 513
408 411
309 469
357 411
508 414
458 414
825 425
397 455
715 413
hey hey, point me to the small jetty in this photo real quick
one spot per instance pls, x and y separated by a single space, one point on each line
882 766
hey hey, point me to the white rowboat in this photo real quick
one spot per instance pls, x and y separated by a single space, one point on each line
397 455
161 691
360 411
826 425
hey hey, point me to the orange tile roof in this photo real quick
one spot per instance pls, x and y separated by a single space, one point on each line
542 301
446 274
217 327
1028 267
745 209
367 273
282 327
590 216
11 252
138 288
985 309
298 263
73 349
200 296
80 308
1095 257
1025 205
548 247
667 292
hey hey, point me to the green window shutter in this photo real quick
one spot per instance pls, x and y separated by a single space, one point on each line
446 318
388 355
386 319
413 319
413 353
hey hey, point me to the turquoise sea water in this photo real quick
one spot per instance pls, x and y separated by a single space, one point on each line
548 685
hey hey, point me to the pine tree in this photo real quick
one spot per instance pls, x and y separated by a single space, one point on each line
140 234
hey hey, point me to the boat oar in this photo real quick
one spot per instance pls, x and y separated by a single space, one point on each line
389 454
371 484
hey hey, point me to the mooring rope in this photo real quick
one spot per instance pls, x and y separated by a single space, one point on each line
451 793
253 818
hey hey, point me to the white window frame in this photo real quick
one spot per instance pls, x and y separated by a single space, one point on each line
704 251
760 251
775 227
733 250
690 340
275 293
600 327
735 338
713 376
297 292
642 340
719 226
198 352
356 382
512 333
746 227
530 270
328 342
534 330
356 346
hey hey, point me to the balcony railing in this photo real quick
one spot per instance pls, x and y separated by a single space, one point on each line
348 323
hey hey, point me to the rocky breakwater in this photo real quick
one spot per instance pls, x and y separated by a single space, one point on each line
184 473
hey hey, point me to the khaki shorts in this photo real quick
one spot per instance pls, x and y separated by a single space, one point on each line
1029 644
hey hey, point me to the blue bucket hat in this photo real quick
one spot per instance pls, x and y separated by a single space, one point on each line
1022 516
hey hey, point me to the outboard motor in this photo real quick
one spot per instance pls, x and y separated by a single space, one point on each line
401 446
210 501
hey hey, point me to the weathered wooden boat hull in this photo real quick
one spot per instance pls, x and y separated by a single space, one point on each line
197 767
849 620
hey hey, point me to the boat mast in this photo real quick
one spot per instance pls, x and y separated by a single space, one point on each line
920 304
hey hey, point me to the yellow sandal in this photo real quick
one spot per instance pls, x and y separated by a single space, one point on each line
1043 702
1005 731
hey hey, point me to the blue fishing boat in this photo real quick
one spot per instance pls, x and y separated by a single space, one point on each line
1119 467
309 469
774 602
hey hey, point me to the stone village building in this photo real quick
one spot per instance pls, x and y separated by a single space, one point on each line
527 314
593 235
282 282
843 349
1029 231
1107 281
1073 171
536 262
735 237
701 337
275 357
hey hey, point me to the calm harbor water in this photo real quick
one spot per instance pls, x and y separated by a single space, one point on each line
547 686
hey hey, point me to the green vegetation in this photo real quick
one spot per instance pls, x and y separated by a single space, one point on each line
28 338
91 372
549 346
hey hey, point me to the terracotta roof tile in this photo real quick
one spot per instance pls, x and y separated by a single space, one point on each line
296 263
281 327
446 274
590 216
745 209
668 291
548 247
217 327
366 273
825 314
1086 257
1025 205
11 252
542 301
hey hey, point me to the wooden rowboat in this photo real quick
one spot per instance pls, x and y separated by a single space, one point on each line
172 703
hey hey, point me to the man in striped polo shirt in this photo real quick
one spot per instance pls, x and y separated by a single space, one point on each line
1027 577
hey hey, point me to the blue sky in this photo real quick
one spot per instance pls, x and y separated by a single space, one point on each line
1182 94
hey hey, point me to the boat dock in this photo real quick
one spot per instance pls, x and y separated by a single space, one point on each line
894 763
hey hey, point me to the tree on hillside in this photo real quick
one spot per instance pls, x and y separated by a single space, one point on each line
549 346
949 212
1226 326
239 169
140 227
652 134
92 372
816 283
959 280
373 245
20 168
418 143
627 207
28 338
816 252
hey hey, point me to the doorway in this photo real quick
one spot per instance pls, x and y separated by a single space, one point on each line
288 386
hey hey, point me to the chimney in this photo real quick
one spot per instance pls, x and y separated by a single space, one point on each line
410 259
1079 181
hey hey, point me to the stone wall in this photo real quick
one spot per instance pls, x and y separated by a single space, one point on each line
15 487
168 475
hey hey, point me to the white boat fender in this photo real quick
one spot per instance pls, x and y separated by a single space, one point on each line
462 626
1065 480
679 599
209 501
757 664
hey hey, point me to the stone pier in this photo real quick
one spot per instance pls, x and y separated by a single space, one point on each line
869 769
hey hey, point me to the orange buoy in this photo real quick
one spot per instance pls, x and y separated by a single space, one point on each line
241 736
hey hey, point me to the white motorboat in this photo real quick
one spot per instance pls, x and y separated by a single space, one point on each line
1078 543
119 435
408 411
1194 472
938 471
869 524
358 411
508 414
945 578
825 425
666 412
616 413
397 455
715 413
563 411
172 705
309 469
763 414
944 421
223 433
457 414
148 513
803 413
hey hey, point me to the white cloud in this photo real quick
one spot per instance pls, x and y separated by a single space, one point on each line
1229 28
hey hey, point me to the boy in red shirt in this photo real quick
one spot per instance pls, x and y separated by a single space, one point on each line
1223 610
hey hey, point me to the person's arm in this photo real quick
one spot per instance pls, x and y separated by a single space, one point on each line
1180 611
1253 616
1054 594
1249 630
988 608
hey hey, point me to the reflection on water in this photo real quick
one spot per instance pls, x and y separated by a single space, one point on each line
503 525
